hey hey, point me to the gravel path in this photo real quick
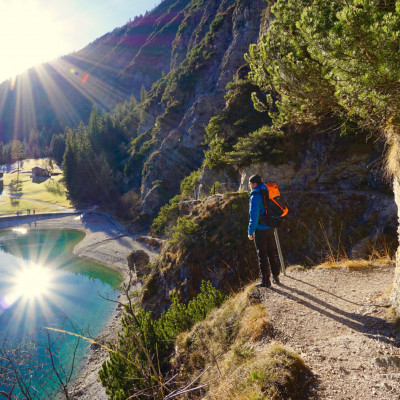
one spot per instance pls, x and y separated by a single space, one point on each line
335 320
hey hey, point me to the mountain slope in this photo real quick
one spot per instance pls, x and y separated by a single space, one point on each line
211 43
106 72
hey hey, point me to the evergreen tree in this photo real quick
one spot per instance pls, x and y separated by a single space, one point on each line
336 58
17 152
94 126
70 167
33 144
7 154
57 147
143 94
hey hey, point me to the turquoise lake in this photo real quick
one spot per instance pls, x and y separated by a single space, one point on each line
45 288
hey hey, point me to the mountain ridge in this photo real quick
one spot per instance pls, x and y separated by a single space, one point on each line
105 85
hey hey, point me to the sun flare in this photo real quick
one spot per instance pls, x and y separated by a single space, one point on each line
29 35
32 282
22 231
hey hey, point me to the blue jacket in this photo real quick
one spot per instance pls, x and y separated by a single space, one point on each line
256 207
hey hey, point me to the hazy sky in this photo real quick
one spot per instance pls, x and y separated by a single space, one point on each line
35 31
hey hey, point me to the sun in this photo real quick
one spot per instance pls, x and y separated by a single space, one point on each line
32 282
29 35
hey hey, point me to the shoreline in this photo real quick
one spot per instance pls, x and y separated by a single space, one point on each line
107 243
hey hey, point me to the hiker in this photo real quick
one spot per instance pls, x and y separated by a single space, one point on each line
263 235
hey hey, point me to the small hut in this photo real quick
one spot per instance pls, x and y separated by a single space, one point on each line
38 172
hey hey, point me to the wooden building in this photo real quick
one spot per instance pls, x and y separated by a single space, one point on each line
38 172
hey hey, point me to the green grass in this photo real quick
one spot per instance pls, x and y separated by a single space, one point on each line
51 191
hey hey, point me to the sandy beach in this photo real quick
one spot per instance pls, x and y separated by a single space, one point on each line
106 242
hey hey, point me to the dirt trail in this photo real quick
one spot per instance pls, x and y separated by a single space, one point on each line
334 319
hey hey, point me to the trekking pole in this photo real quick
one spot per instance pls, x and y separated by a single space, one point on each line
278 245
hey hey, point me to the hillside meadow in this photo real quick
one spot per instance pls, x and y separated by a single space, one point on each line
21 193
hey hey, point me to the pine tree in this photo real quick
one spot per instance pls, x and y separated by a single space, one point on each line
143 94
33 144
70 164
336 58
17 152
57 147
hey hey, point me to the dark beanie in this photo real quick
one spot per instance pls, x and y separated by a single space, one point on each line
256 179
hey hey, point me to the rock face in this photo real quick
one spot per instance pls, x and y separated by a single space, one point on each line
335 197
224 31
323 226
395 295
339 204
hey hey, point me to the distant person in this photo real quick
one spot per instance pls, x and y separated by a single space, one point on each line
34 212
263 235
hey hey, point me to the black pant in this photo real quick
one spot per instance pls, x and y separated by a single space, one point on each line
268 258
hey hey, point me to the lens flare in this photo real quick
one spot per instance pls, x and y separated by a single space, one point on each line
31 282
22 231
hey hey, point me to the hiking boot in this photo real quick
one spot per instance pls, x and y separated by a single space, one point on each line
263 283
266 283
276 279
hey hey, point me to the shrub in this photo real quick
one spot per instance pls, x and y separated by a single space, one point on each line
215 156
265 144
167 216
129 205
184 230
215 188
188 183
144 345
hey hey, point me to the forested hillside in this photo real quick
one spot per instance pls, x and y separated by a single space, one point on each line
60 94
152 87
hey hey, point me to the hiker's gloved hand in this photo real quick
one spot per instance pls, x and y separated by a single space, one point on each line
251 237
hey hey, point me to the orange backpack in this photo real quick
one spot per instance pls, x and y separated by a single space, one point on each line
275 207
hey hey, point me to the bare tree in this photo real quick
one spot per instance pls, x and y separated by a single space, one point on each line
37 369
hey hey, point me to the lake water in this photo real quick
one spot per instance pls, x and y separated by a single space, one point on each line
44 288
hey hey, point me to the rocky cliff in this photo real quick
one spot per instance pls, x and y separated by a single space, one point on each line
341 207
211 43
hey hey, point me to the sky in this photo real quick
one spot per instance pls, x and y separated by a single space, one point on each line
36 31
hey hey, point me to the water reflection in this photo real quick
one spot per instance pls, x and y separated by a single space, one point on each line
40 277
42 284
22 231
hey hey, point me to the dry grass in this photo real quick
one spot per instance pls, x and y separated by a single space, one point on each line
359 264
392 156
378 256
271 372
235 344
393 317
